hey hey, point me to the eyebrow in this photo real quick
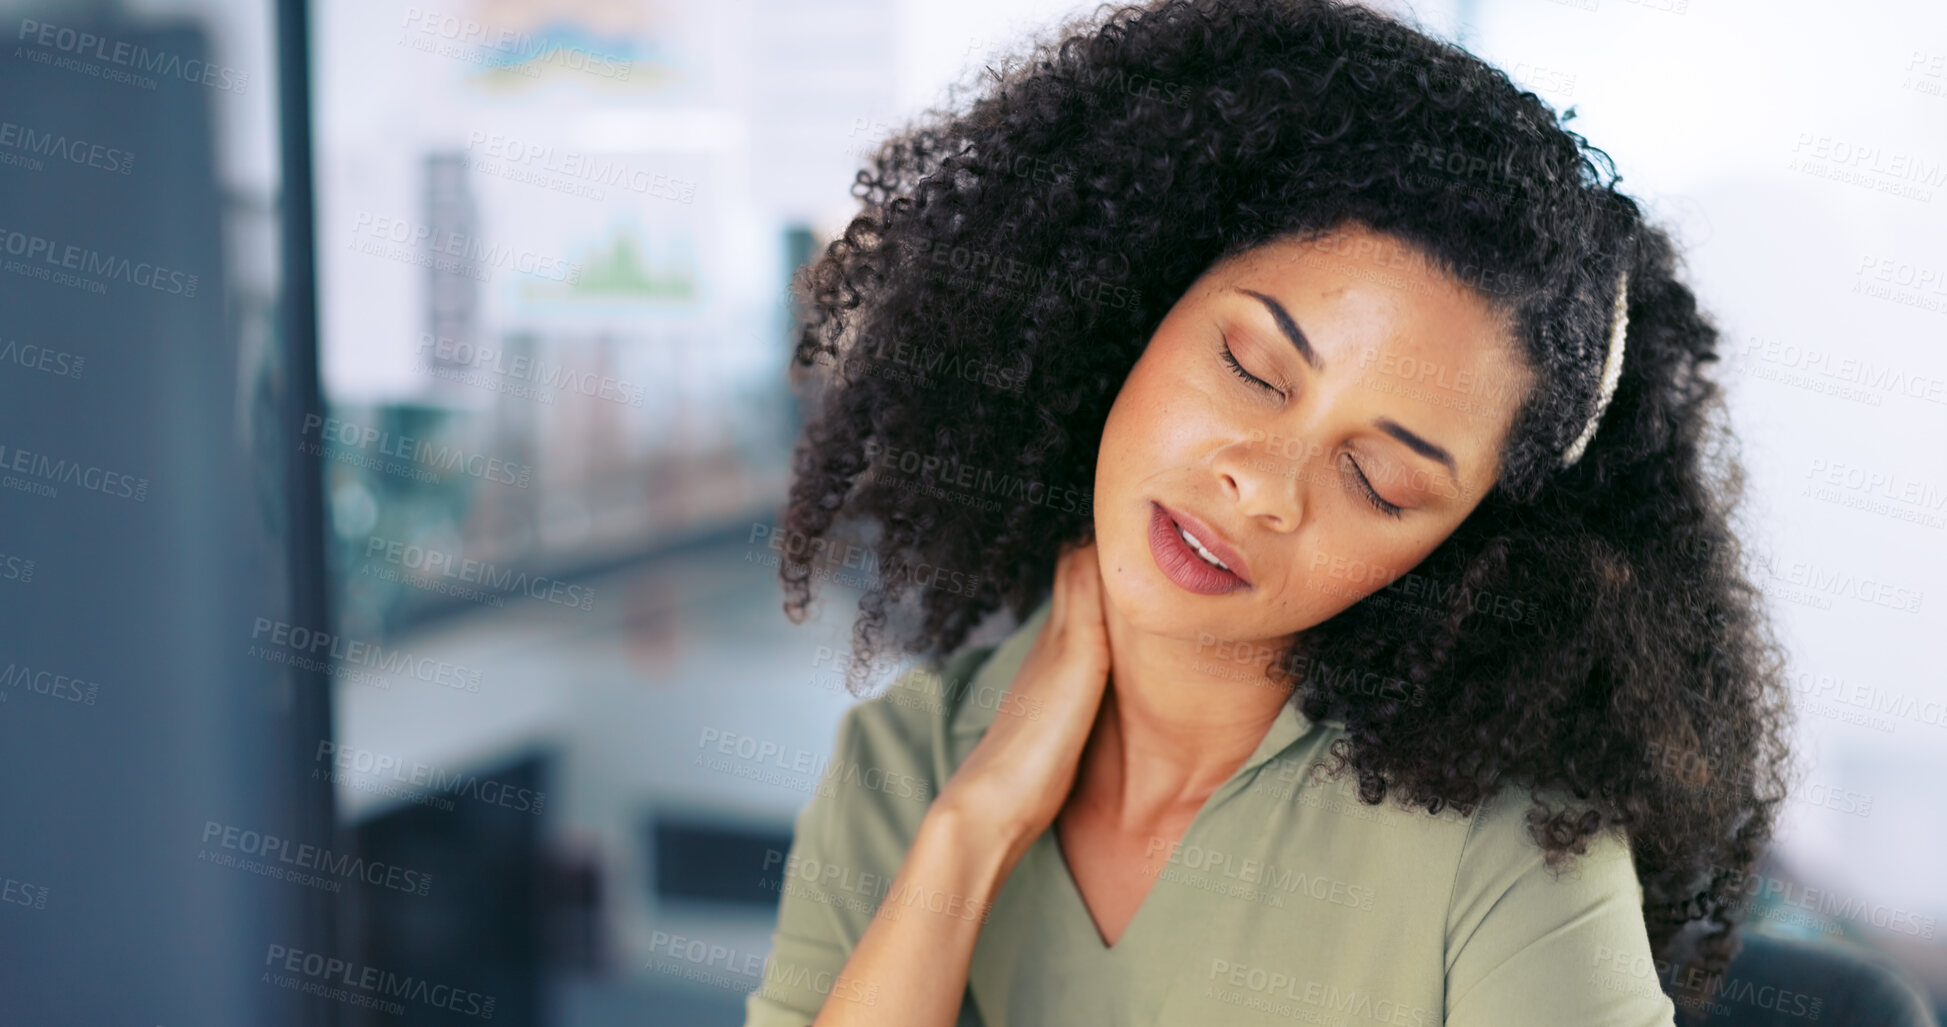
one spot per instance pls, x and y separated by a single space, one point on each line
1288 327
1417 444
1386 424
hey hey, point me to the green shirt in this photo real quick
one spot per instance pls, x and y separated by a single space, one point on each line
1286 901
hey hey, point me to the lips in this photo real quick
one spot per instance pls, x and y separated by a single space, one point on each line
1212 540
1181 563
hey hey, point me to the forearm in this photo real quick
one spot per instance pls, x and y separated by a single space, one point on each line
912 961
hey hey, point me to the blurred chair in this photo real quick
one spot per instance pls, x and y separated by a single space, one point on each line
1854 987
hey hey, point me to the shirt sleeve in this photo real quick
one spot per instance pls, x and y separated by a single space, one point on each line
1531 945
811 941
848 842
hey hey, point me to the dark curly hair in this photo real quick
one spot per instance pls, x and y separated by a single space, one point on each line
1041 234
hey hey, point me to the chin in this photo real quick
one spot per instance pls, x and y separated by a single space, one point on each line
1142 597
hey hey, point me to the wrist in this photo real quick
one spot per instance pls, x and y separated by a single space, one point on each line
986 848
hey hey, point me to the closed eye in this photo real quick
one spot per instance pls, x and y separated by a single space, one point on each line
1238 369
1372 494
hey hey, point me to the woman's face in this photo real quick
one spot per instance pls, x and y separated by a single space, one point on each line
1386 389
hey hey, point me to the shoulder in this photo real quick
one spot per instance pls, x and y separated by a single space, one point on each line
1565 943
908 726
894 751
936 714
1506 892
1501 846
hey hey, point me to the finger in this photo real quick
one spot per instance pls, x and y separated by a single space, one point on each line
1065 584
1090 570
1085 584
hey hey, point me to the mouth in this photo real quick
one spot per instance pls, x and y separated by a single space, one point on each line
1193 555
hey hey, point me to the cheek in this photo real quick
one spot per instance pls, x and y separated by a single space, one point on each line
1340 561
1156 420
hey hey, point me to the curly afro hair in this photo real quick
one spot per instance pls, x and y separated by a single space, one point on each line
1042 233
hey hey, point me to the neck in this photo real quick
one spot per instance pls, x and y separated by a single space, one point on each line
1174 725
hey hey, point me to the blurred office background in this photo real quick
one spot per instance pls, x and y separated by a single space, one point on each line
458 457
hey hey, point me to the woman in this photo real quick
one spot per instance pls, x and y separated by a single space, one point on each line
1338 437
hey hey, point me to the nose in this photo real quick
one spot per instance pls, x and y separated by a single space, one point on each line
1266 481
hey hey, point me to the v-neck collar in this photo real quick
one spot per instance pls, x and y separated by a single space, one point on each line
1289 726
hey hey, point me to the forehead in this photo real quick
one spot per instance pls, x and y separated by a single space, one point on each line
1389 322
1384 290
